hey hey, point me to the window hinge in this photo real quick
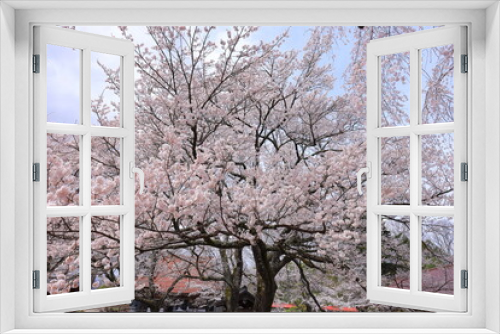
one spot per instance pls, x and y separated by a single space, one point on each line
36 172
465 279
36 279
464 171
465 64
36 63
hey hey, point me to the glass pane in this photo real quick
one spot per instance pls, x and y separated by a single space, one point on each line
105 256
63 250
437 169
437 254
63 84
437 84
395 260
395 171
105 89
395 89
63 170
105 171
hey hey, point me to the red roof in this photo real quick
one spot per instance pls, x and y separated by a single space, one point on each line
326 308
275 305
339 309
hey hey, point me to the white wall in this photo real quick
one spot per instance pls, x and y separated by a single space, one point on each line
210 16
492 163
7 160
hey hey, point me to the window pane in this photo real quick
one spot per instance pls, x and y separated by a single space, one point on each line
63 170
437 254
105 89
437 84
63 255
395 260
63 84
437 169
395 169
105 256
105 171
395 89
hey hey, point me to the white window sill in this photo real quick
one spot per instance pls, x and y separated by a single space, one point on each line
249 331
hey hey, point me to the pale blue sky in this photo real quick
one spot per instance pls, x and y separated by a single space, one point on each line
63 74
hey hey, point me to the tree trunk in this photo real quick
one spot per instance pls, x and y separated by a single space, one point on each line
266 285
232 298
154 305
264 297
233 279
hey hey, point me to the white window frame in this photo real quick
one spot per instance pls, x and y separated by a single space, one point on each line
85 44
413 44
483 123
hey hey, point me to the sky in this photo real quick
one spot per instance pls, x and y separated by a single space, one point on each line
63 75
63 84
63 65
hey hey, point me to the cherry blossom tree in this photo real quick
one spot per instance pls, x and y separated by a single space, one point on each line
250 163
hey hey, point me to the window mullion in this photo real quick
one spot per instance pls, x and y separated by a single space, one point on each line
436 128
414 170
109 210
85 278
67 129
85 149
85 170
434 211
66 211
85 87
420 210
102 131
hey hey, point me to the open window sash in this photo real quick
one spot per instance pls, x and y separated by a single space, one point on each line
379 130
83 259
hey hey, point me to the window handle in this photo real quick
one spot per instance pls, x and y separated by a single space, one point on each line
133 170
366 170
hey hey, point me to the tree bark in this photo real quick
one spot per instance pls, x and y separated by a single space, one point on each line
264 297
266 285
233 279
